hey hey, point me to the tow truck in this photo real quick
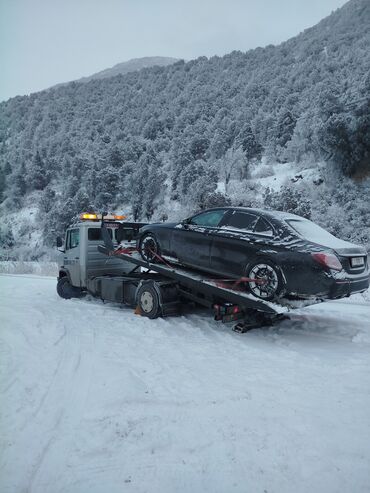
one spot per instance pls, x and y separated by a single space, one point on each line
98 257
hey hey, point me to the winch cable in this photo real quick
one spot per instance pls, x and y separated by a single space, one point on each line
161 259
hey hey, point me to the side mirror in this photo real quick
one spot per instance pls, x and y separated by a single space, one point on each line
59 242
185 223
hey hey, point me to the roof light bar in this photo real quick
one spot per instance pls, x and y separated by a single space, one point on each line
86 216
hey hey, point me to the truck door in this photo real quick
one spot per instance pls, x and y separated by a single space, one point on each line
72 255
98 264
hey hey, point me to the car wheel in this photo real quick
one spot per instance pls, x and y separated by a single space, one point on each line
149 248
273 287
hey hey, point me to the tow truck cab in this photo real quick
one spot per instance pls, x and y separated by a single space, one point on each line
79 258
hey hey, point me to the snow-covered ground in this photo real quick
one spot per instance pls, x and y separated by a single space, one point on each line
21 267
96 399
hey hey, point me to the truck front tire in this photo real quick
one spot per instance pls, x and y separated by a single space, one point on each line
66 290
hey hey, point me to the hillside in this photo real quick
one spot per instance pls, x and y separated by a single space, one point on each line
129 66
168 140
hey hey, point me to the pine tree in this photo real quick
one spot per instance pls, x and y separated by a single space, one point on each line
37 176
47 200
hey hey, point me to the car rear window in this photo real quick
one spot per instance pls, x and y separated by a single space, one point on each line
312 232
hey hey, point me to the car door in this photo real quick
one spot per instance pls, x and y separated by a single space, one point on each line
236 242
191 239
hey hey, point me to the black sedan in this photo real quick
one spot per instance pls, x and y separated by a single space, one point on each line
286 254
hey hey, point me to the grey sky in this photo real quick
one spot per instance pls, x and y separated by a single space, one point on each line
44 42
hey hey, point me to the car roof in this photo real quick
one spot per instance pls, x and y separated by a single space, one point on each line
280 215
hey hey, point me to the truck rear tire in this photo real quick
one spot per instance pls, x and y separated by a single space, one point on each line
66 290
148 301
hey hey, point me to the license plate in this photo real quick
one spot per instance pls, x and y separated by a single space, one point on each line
357 261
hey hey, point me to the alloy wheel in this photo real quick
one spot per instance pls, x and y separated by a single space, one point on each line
266 273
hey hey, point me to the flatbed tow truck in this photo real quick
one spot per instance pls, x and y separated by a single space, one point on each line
100 258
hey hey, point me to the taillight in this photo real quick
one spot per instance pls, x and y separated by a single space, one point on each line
328 260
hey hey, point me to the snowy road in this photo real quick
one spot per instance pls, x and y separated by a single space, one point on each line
95 399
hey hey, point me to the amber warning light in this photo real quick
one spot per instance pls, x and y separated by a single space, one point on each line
96 217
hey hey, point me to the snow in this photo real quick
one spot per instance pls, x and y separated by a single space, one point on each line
312 232
96 399
283 173
21 267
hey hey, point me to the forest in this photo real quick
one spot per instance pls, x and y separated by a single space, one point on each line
163 142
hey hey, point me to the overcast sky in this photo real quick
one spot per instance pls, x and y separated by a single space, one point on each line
44 42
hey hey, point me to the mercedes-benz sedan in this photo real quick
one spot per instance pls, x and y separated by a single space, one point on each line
279 254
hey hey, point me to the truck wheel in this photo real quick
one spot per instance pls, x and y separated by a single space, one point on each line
66 290
148 301
274 286
149 248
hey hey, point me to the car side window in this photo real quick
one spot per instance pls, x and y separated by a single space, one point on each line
263 227
209 219
74 238
242 220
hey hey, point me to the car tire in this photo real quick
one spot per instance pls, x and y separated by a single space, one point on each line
149 248
263 268
65 289
148 301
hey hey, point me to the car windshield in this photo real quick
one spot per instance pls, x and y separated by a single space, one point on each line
312 232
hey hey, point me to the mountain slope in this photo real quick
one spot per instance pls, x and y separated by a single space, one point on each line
126 67
131 66
186 132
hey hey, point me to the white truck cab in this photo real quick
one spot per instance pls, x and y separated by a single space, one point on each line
79 259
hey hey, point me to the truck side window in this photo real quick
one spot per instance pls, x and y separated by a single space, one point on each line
74 238
67 240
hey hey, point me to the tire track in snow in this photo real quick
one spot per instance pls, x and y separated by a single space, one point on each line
57 415
78 368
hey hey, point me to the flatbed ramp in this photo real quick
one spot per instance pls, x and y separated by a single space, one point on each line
192 285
